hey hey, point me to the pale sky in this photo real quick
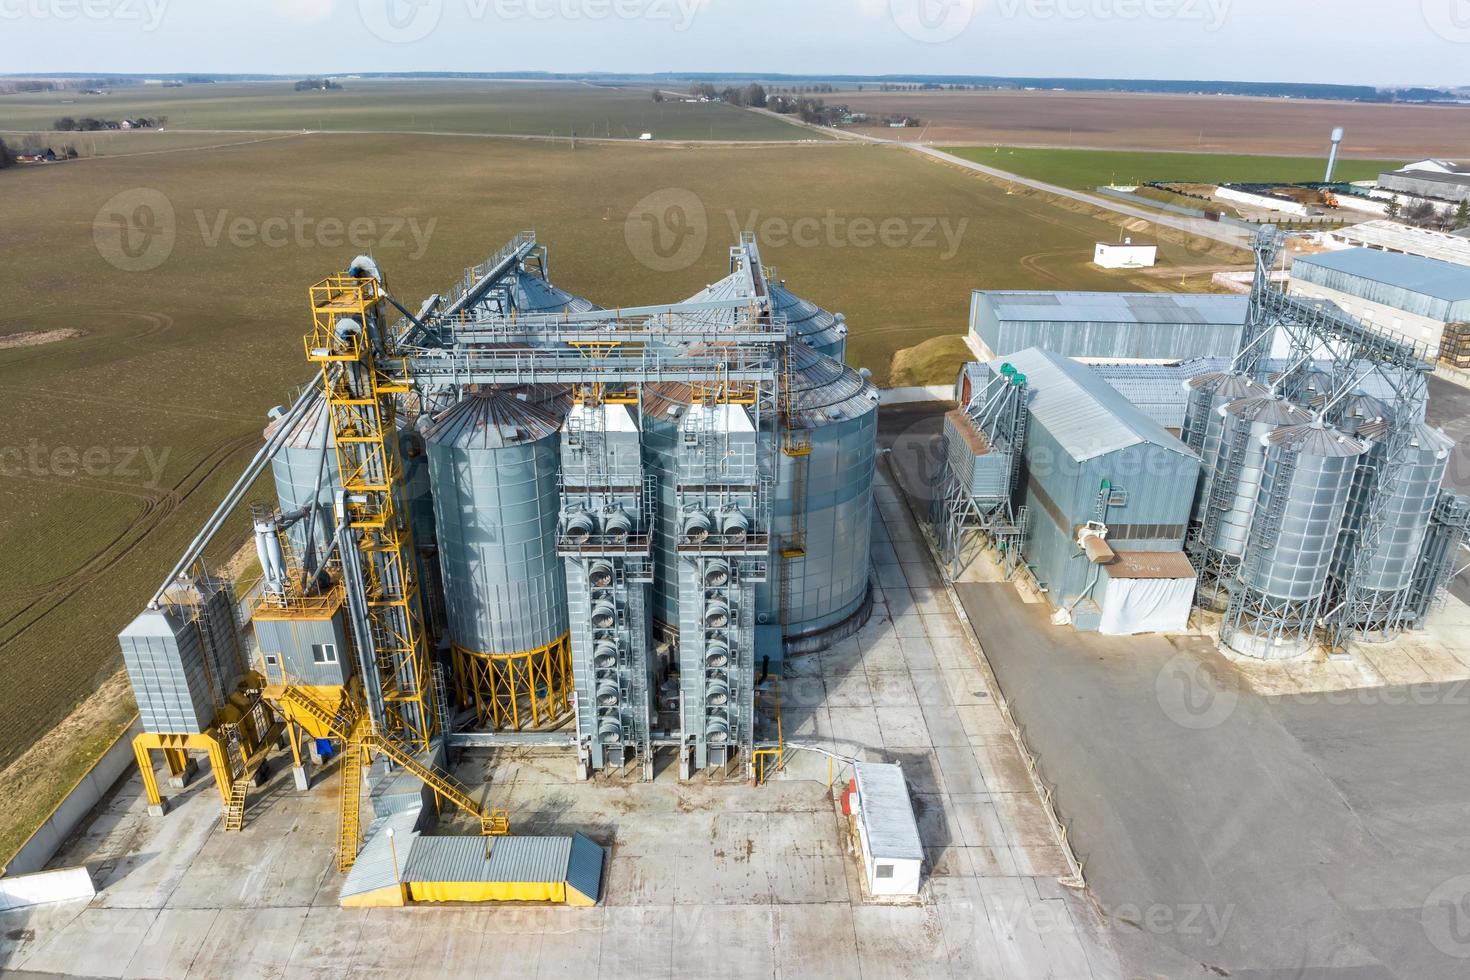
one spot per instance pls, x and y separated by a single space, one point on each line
1381 42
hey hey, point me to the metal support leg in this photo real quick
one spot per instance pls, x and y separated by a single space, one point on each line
156 806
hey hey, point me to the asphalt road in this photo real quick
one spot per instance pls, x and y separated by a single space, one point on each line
1226 834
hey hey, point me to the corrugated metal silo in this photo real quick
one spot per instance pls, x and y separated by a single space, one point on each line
823 332
825 497
1204 426
1245 423
298 466
1307 479
493 464
1389 569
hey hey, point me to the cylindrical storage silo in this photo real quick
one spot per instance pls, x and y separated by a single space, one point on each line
1205 426
1307 479
829 459
1245 423
308 455
1386 565
493 463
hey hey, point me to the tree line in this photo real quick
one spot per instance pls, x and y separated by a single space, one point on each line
87 124
1423 214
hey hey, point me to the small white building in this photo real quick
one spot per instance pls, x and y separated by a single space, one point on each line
887 830
1113 255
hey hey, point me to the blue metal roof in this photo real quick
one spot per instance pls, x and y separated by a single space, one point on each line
1086 415
1208 308
1431 277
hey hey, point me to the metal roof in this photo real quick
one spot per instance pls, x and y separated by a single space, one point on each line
1090 307
379 858
1394 237
493 859
1431 277
494 420
1086 415
887 812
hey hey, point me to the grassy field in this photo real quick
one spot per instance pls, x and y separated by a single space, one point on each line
480 108
1183 123
1094 168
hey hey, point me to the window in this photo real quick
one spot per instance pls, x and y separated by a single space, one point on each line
884 871
324 653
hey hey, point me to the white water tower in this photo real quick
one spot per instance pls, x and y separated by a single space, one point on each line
1337 135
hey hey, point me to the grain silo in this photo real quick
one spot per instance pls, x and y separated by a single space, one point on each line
1306 481
823 332
824 496
1388 558
493 464
1226 512
304 469
1204 425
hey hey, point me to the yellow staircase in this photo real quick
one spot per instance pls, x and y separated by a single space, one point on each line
444 785
235 811
338 723
349 817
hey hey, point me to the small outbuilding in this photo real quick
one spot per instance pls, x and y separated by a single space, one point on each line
887 830
1125 255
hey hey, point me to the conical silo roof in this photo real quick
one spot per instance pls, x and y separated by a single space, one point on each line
532 294
493 420
1424 437
1315 439
823 389
312 430
806 320
1227 385
1269 410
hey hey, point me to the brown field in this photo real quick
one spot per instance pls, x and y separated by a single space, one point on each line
1108 120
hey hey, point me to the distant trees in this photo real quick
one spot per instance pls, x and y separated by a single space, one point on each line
317 85
1395 208
67 124
6 159
658 96
753 95
1462 216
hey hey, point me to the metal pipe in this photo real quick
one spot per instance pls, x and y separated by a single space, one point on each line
232 499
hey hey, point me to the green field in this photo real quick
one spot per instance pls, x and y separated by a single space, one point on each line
1085 169
475 108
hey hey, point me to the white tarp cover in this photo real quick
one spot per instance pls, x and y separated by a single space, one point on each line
45 887
1146 605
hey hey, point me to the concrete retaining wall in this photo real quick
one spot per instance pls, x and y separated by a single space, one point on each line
42 846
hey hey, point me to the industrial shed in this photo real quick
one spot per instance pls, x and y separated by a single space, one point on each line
1108 326
1092 456
1407 295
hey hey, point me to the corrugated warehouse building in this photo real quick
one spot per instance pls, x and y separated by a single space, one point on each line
1092 456
1108 326
1401 294
1441 180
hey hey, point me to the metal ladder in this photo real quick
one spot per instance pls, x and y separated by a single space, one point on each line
235 811
350 806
